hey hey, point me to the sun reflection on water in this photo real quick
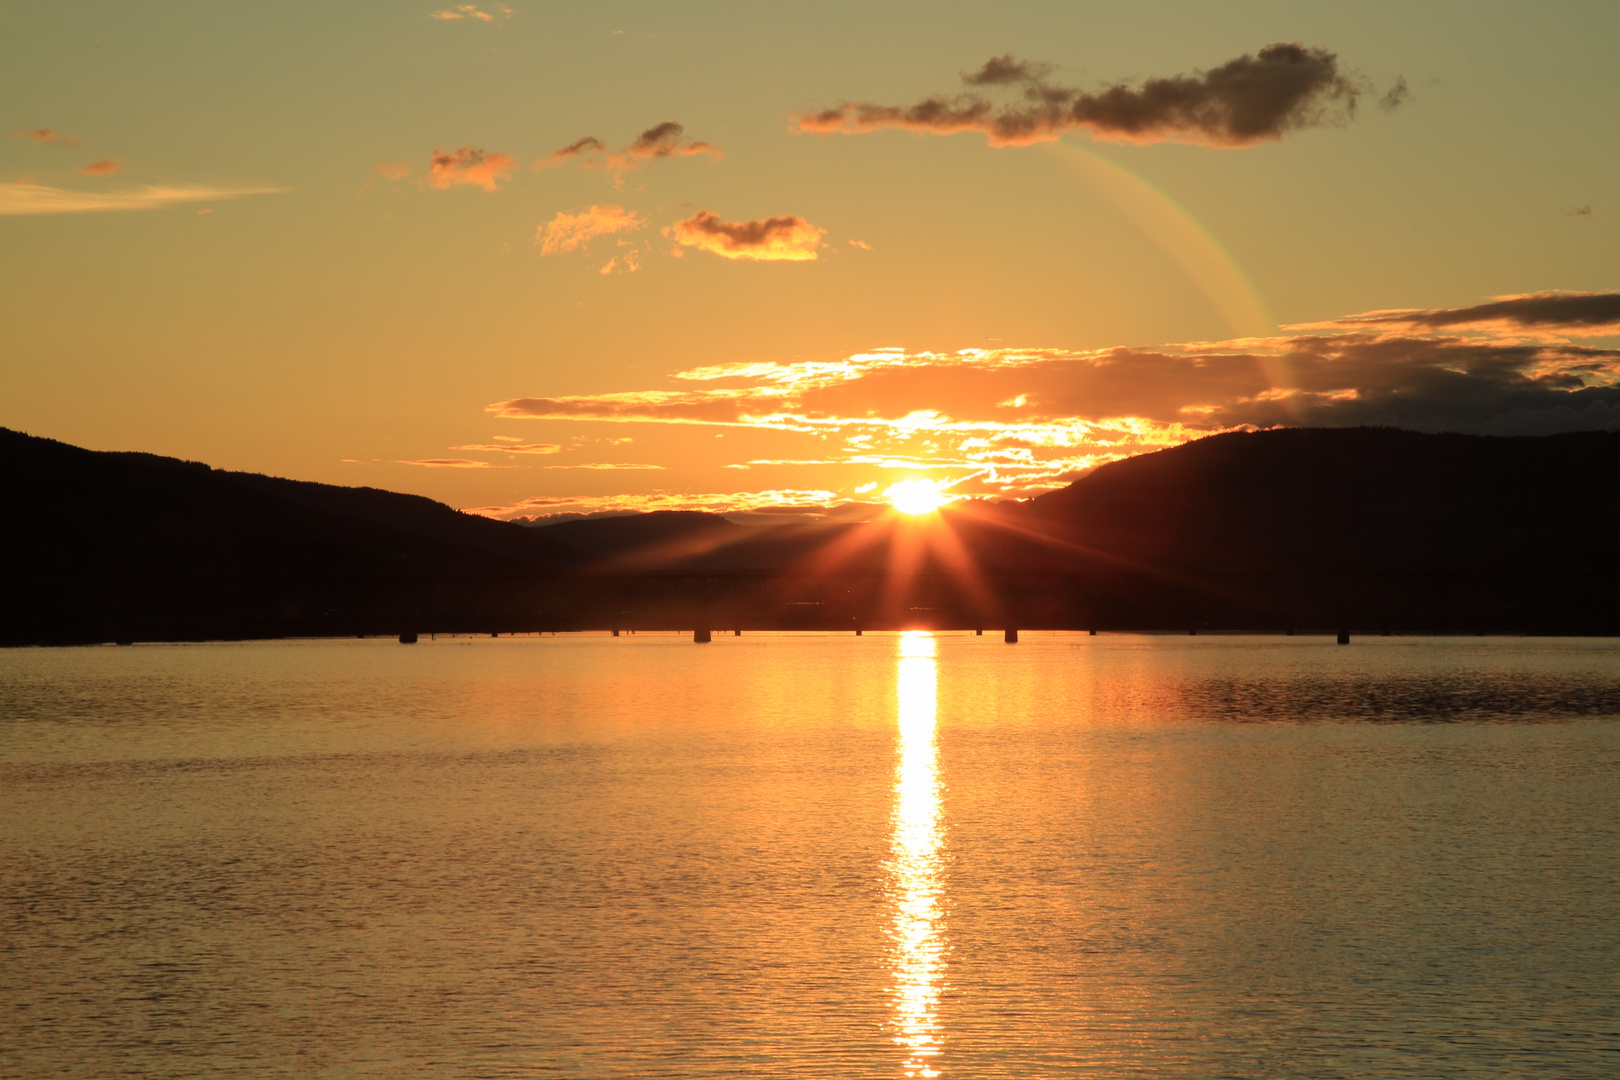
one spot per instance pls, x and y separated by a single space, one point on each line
915 866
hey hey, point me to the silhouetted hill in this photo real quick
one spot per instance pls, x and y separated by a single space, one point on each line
1368 525
104 546
1357 529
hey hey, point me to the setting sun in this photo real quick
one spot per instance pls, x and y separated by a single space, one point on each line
917 496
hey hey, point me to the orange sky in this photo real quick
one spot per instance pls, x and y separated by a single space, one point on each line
533 262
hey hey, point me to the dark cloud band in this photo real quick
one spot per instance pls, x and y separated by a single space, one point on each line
1250 99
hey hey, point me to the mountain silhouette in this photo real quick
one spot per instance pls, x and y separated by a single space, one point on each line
1355 529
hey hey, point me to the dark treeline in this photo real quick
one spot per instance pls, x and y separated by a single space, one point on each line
1365 530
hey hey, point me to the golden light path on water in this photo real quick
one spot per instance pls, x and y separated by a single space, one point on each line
919 961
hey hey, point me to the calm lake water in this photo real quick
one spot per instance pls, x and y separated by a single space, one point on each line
814 856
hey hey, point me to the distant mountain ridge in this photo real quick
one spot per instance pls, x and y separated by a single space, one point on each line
1363 528
107 546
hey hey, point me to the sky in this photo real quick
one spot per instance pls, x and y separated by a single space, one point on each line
539 259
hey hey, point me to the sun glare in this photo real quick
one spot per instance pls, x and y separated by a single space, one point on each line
917 496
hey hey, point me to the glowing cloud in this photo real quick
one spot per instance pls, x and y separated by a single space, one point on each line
104 167
571 232
777 239
512 448
1019 421
469 11
24 199
450 463
393 170
547 506
468 166
609 466
1252 98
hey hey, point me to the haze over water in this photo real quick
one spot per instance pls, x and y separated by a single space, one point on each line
777 855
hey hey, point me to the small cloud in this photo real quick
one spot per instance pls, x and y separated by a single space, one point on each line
1579 211
1243 101
25 199
1395 96
468 166
43 137
629 263
393 170
450 463
511 446
664 140
205 210
570 232
779 239
471 11
659 141
607 465
104 167
862 244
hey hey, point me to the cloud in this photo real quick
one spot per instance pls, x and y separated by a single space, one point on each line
861 244
777 239
1019 421
515 447
393 170
607 465
664 140
104 167
571 232
468 166
659 141
1564 314
470 11
43 137
542 507
1397 95
24 199
1253 98
1579 211
450 463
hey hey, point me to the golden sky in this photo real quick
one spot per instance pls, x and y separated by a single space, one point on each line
536 259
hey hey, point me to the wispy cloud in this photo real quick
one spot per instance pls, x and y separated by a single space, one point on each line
573 232
24 199
448 168
1561 314
628 263
608 466
471 11
393 170
44 137
545 506
512 448
663 140
1252 98
450 463
779 239
104 167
